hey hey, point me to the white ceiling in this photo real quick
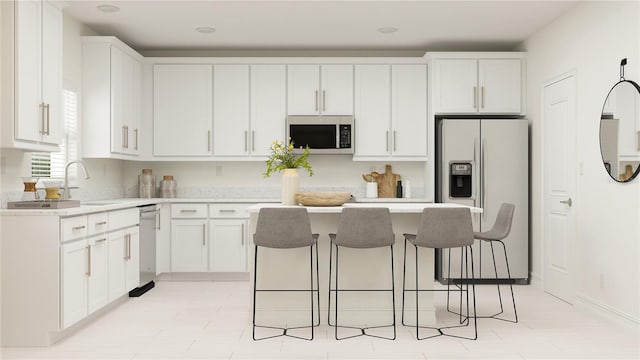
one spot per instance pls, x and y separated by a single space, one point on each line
320 25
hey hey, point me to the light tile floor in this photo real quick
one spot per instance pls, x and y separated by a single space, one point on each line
211 320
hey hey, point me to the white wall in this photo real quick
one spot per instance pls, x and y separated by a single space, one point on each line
590 40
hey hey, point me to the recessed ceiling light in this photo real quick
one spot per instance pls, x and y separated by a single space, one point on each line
387 30
205 30
106 8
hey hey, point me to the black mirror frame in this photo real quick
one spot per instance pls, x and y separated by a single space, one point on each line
637 87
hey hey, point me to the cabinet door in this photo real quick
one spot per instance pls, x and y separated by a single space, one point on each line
136 106
74 282
29 117
182 110
52 72
372 110
456 89
268 107
98 295
228 251
409 110
303 89
127 102
163 239
336 97
189 245
132 262
500 82
231 110
117 255
118 121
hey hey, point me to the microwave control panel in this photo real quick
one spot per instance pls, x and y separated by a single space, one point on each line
345 136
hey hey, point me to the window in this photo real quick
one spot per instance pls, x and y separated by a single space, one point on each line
51 165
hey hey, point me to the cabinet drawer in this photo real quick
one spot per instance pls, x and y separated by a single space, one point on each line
188 210
97 223
73 227
228 210
123 218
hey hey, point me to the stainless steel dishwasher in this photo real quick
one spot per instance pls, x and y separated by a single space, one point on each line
149 224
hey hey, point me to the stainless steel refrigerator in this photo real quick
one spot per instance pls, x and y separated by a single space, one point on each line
483 163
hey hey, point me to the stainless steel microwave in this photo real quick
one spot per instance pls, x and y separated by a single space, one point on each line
323 134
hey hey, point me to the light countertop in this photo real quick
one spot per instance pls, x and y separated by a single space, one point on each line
394 207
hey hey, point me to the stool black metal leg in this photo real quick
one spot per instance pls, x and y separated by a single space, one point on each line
513 299
495 270
255 279
393 295
404 277
336 311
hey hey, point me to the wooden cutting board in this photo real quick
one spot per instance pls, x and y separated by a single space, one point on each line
387 183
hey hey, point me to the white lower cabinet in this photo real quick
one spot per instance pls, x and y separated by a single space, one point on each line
189 245
98 273
75 270
132 263
124 261
228 250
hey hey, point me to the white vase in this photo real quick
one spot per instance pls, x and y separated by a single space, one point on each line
290 186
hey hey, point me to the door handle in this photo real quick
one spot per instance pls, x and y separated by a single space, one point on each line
316 100
42 120
567 202
136 132
88 273
253 140
324 100
46 108
246 139
475 97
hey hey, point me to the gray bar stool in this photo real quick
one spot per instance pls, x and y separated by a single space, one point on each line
285 228
443 228
361 228
500 230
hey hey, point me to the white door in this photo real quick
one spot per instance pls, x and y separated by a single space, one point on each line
118 124
456 86
337 89
303 89
182 110
74 282
372 110
228 251
268 106
559 159
52 71
117 254
231 110
97 287
409 110
132 263
189 246
500 86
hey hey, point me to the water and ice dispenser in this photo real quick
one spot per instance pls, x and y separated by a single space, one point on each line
460 180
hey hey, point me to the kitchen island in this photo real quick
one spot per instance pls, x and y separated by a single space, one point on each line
289 269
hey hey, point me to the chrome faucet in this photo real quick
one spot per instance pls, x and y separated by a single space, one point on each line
67 193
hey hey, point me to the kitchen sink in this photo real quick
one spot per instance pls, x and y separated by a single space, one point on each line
43 204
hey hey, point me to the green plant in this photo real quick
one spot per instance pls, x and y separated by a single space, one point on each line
283 157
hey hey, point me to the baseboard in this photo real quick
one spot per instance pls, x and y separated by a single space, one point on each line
536 280
607 312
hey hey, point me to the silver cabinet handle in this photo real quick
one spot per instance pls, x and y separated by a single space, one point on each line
188 211
124 137
209 140
394 140
482 96
78 227
204 234
158 219
324 100
88 273
316 100
101 223
46 108
101 240
227 210
246 140
567 202
475 97
387 137
135 131
242 237
253 140
128 246
42 120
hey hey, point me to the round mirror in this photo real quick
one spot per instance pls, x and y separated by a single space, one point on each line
620 131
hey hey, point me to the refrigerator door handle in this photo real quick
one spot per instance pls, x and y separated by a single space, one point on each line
484 180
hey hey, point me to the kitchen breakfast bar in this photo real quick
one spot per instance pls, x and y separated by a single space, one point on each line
359 269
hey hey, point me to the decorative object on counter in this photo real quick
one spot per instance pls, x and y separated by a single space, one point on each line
399 189
371 187
322 198
146 184
30 192
168 187
406 189
283 158
52 190
386 182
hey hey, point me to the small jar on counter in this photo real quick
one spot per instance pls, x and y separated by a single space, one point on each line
146 184
168 187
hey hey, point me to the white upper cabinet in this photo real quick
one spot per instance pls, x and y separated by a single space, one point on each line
111 84
268 107
182 110
391 112
409 110
320 89
35 63
231 135
471 86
